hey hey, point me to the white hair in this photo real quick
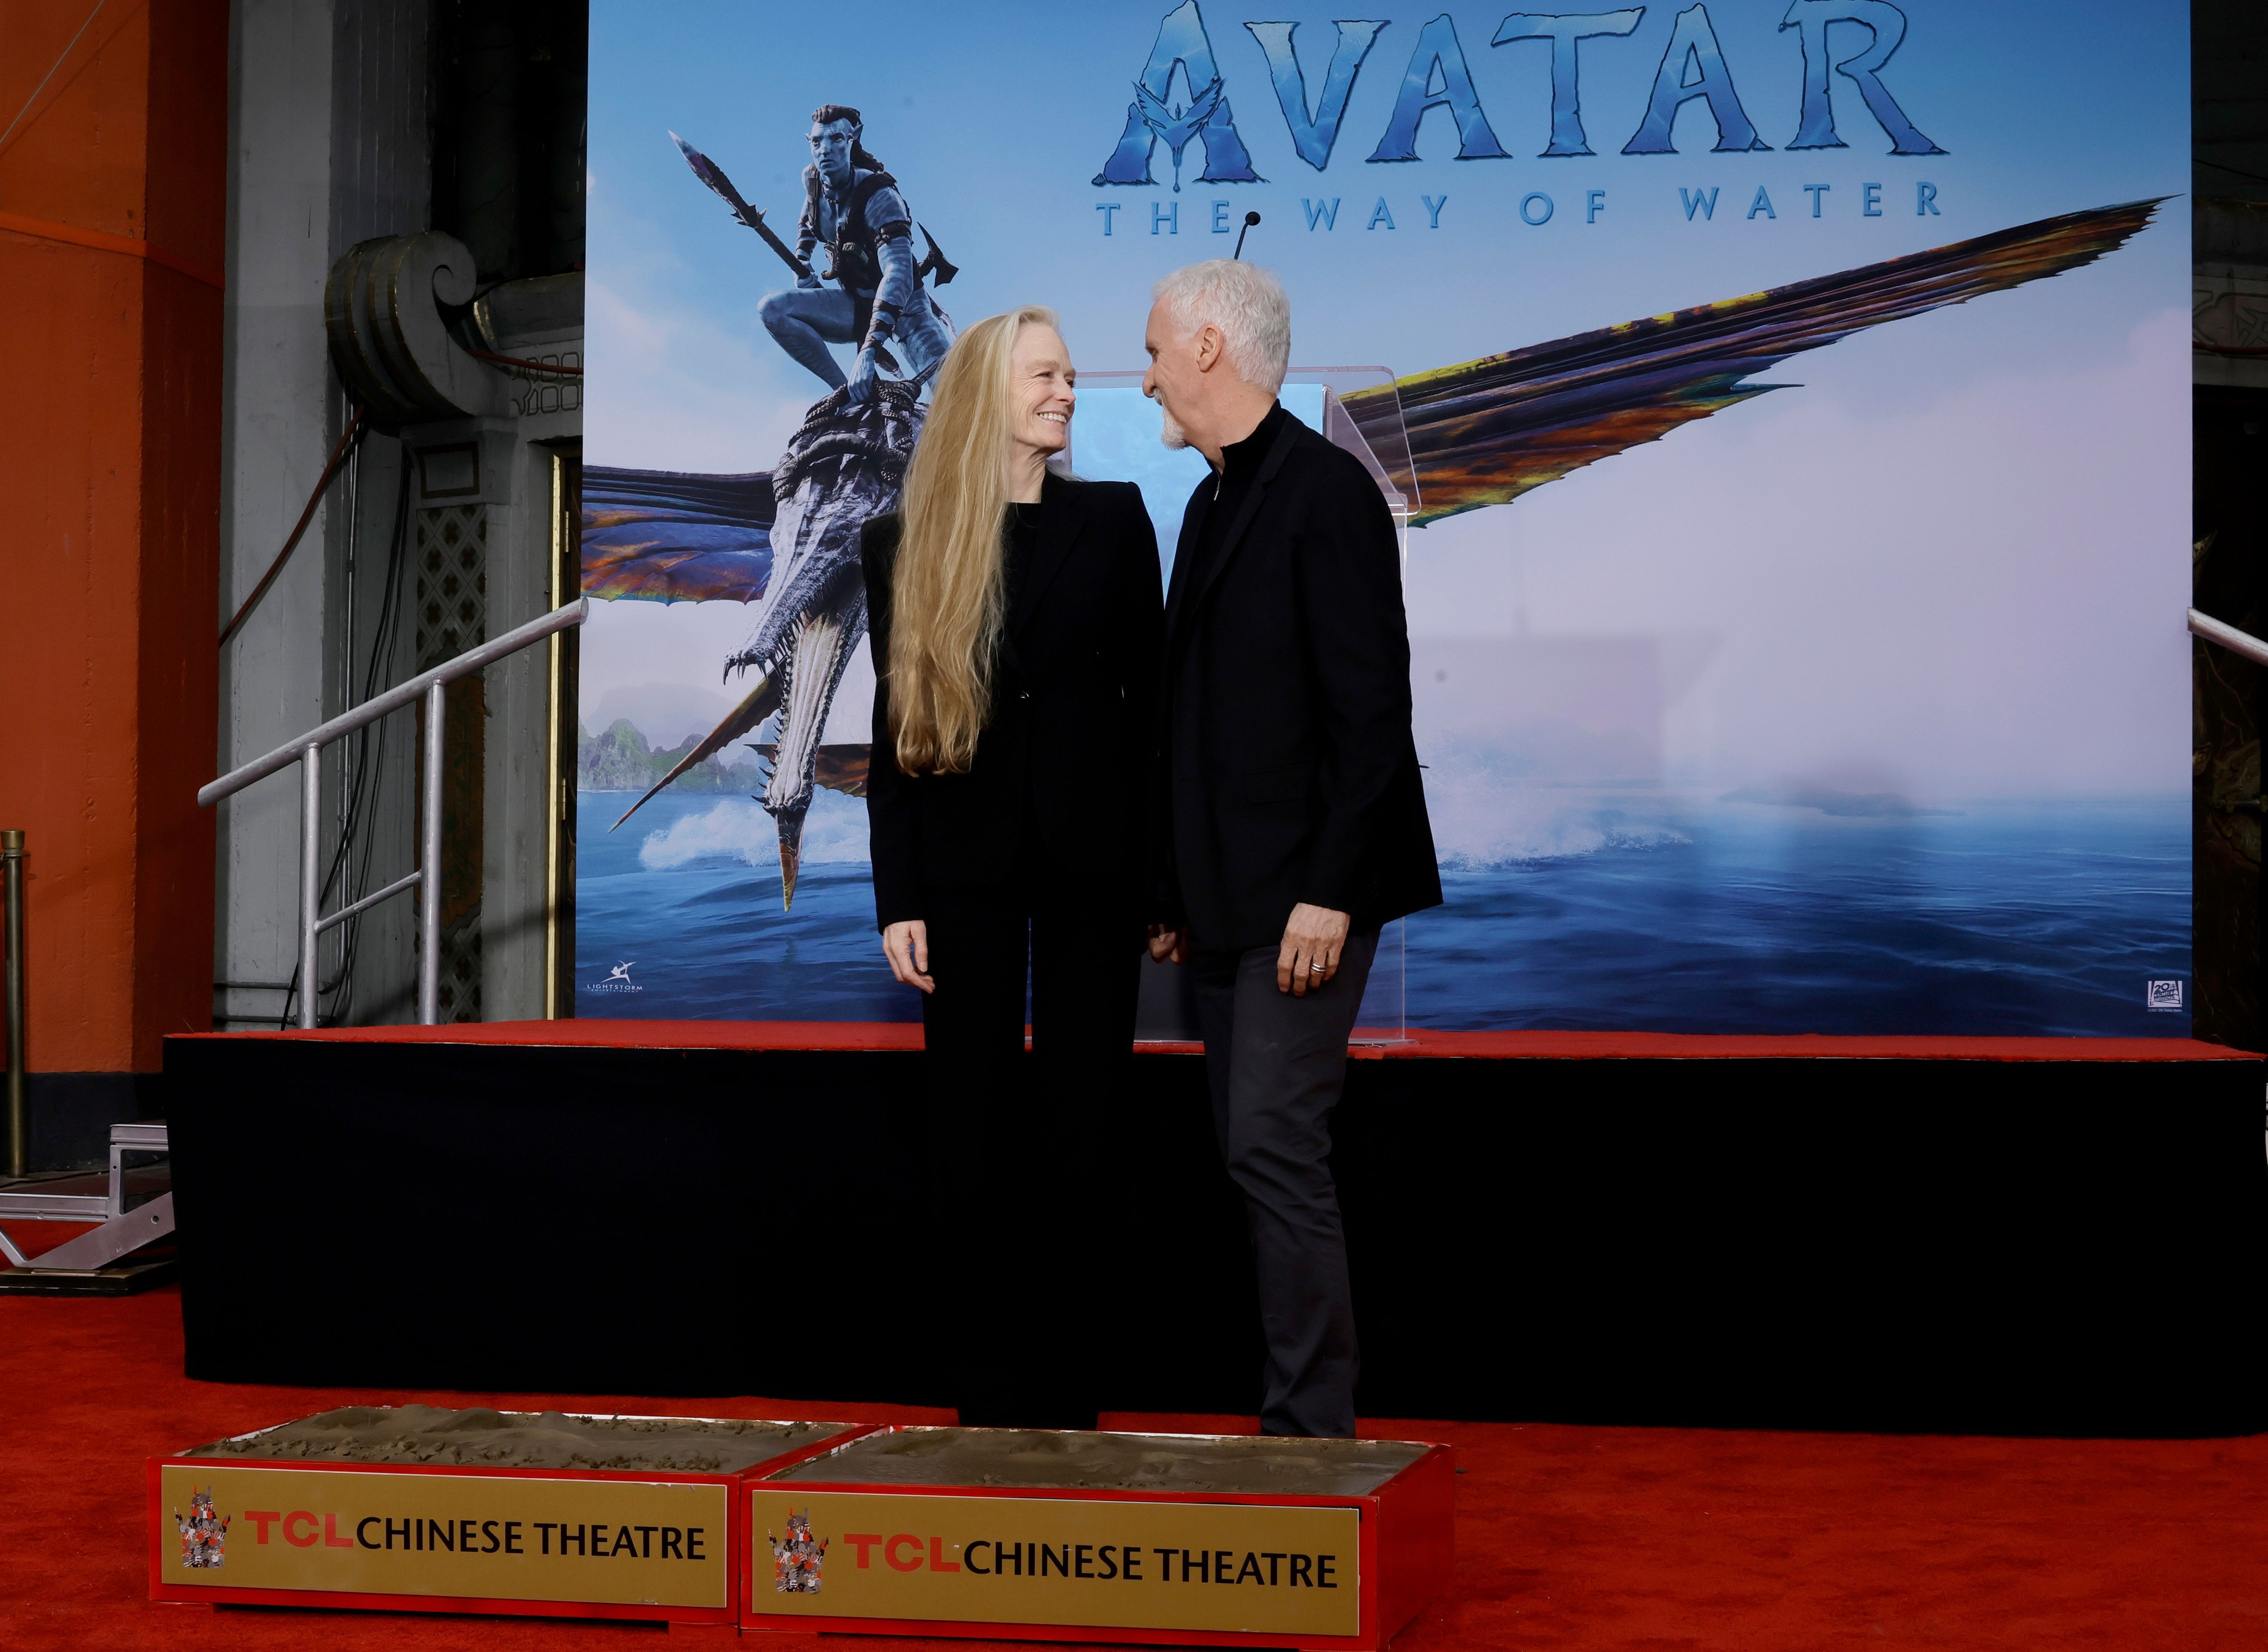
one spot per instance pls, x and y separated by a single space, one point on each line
1248 306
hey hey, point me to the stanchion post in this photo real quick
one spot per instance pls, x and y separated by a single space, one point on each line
20 1128
429 870
311 880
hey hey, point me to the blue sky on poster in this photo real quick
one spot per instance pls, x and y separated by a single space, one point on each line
1930 567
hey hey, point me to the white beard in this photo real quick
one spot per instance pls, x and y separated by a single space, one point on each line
1172 435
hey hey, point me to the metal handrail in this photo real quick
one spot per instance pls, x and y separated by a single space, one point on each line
307 752
2229 636
12 869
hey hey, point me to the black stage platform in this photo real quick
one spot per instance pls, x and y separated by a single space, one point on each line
1891 1235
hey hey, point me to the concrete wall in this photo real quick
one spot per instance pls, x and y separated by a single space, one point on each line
329 146
334 113
283 414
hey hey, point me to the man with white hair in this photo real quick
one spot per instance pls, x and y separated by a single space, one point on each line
1292 817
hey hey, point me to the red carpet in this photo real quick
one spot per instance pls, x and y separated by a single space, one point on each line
1567 1537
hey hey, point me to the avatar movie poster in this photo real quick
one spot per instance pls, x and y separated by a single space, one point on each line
1787 402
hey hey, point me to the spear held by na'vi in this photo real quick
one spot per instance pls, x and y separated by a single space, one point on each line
711 173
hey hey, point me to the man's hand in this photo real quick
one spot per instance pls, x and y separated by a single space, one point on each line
1309 957
1169 945
906 945
863 377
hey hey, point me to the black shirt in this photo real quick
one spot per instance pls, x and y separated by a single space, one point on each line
1239 464
1023 548
1022 551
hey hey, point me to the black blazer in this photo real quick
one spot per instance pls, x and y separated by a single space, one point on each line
1286 760
1066 747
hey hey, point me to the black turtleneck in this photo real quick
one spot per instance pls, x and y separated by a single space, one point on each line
1239 464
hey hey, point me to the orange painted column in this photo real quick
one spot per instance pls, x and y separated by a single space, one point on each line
113 188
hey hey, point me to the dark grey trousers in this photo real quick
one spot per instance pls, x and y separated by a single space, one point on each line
1276 1064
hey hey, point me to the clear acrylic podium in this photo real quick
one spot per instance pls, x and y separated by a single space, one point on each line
1117 436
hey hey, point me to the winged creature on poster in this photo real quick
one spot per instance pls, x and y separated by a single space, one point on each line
1790 399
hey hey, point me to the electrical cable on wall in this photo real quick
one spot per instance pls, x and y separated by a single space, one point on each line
330 468
367 779
379 675
50 75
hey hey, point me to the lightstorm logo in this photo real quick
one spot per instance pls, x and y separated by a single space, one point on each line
618 980
1693 65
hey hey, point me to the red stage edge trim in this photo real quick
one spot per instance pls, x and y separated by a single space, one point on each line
1370 1044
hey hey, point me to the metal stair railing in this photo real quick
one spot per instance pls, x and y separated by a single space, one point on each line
307 751
2229 636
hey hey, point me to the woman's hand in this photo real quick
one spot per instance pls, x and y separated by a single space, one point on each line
1167 944
906 945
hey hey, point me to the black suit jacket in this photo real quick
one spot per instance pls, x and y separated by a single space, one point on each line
1287 763
1065 749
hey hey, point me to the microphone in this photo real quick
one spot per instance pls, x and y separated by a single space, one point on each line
1250 218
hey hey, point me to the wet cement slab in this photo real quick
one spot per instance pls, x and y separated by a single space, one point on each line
1113 1461
481 1438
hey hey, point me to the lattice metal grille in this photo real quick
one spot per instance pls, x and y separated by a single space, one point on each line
453 581
453 611
460 969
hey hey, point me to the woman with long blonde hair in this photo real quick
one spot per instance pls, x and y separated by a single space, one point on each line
1015 615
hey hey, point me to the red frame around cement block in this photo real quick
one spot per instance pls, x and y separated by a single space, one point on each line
1406 1555
164 1539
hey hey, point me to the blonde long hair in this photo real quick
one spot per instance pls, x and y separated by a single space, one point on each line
946 595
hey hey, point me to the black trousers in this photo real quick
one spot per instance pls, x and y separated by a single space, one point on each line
1276 1064
1027 1200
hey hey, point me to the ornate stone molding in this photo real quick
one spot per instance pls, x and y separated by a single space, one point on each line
383 308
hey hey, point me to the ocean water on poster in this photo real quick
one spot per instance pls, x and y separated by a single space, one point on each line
1637 911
